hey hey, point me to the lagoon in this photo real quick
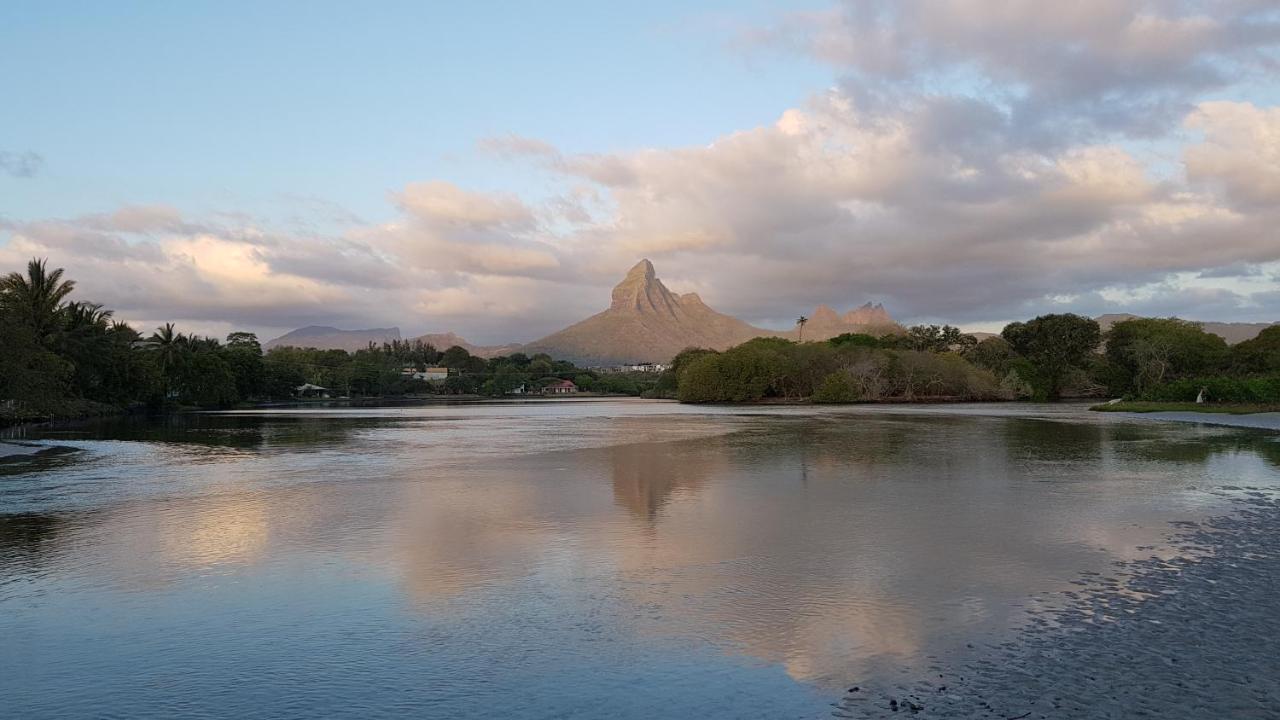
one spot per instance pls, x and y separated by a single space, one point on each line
566 558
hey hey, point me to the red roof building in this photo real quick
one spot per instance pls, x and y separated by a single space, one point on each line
560 387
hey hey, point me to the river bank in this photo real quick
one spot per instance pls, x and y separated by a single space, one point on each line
1193 636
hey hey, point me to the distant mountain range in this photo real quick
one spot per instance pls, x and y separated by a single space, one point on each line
323 337
646 322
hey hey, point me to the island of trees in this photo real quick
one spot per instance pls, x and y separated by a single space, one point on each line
1046 358
64 357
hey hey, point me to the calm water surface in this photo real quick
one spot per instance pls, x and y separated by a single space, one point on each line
562 559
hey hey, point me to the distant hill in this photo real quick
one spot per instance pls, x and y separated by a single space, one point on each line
322 337
444 341
1232 332
329 338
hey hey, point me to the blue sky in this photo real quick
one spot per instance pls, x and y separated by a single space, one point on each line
243 105
493 168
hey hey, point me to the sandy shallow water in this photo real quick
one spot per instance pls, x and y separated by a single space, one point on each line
1194 636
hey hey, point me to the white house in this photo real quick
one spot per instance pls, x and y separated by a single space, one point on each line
309 390
432 374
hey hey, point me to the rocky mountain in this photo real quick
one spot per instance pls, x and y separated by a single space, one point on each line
645 322
826 323
1232 332
330 338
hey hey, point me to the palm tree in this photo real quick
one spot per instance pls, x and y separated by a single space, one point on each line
801 322
85 316
36 299
171 346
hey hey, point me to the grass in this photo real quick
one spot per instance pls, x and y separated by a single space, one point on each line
1138 406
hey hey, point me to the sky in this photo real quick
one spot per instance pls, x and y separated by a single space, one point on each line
494 168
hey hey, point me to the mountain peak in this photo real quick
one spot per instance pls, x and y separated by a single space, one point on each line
869 314
642 291
824 314
644 269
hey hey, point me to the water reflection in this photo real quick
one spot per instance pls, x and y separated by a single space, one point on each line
23 537
832 546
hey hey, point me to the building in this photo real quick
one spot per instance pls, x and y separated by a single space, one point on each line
646 367
560 387
311 391
432 374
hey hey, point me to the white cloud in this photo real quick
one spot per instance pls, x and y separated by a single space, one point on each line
1240 152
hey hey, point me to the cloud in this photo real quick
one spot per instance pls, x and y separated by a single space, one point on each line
453 259
1240 152
20 164
1128 66
440 202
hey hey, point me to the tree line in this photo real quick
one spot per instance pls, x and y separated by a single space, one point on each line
1046 358
67 357
64 357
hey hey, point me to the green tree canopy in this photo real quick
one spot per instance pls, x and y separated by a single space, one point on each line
1053 345
1151 351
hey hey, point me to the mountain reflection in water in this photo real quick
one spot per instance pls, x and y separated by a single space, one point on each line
555 557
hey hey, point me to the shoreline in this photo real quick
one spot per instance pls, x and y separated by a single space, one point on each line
1269 421
1192 636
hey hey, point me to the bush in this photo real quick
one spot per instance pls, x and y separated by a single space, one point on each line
838 387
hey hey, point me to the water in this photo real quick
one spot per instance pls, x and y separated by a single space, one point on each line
562 559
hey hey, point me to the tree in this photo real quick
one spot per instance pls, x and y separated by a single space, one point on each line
244 355
855 340
1150 351
1053 345
33 380
701 380
171 349
838 387
1260 354
455 358
208 380
35 299
993 353
935 338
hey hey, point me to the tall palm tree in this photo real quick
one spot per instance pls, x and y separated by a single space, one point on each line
801 321
171 345
36 298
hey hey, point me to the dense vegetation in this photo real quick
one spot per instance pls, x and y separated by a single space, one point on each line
1045 358
64 357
